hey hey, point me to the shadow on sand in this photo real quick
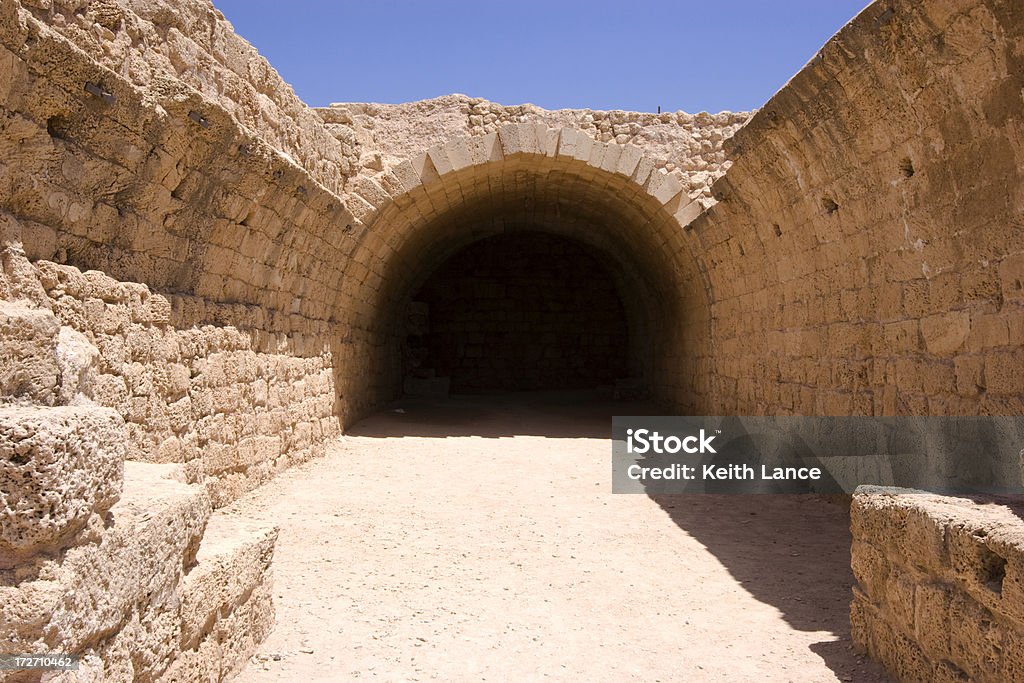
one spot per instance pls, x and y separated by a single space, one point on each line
551 414
789 551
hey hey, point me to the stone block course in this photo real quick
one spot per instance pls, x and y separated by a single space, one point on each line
29 369
943 577
164 590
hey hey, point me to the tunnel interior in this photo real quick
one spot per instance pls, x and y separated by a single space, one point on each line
517 312
529 273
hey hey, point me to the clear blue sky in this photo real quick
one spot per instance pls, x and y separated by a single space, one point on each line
694 55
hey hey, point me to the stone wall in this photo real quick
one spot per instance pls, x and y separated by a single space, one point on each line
168 47
940 585
194 259
158 186
122 563
865 255
688 145
207 385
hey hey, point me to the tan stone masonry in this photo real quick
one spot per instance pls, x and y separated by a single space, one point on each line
203 281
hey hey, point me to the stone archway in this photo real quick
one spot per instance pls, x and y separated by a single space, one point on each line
609 198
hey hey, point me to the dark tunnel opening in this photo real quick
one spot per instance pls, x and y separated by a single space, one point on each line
520 311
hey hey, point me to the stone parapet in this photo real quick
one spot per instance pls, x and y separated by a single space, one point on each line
940 585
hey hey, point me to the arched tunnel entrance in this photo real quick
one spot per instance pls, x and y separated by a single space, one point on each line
508 263
514 312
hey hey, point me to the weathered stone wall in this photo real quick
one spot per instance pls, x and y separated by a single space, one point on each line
207 385
688 145
166 47
157 186
940 585
121 563
865 255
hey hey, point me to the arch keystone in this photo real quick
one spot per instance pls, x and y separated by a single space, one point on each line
471 151
548 139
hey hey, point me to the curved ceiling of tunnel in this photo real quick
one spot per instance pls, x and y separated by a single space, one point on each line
630 222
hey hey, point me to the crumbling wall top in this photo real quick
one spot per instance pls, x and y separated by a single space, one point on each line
688 145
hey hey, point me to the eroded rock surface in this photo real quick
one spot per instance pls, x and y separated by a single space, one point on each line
58 467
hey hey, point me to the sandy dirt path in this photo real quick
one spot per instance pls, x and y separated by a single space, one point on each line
479 540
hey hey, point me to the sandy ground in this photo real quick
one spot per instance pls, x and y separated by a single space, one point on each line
478 539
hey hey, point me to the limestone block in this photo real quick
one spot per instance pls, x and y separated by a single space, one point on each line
229 642
945 333
870 568
158 310
519 139
28 366
372 192
664 186
954 597
233 559
575 144
18 279
58 466
439 157
484 148
689 212
1011 276
610 158
77 360
101 286
407 175
628 160
135 566
931 618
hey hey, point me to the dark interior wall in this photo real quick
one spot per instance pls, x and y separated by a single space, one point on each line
525 310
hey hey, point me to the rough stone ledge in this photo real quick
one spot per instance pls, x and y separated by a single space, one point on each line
226 601
59 467
123 588
940 584
169 592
